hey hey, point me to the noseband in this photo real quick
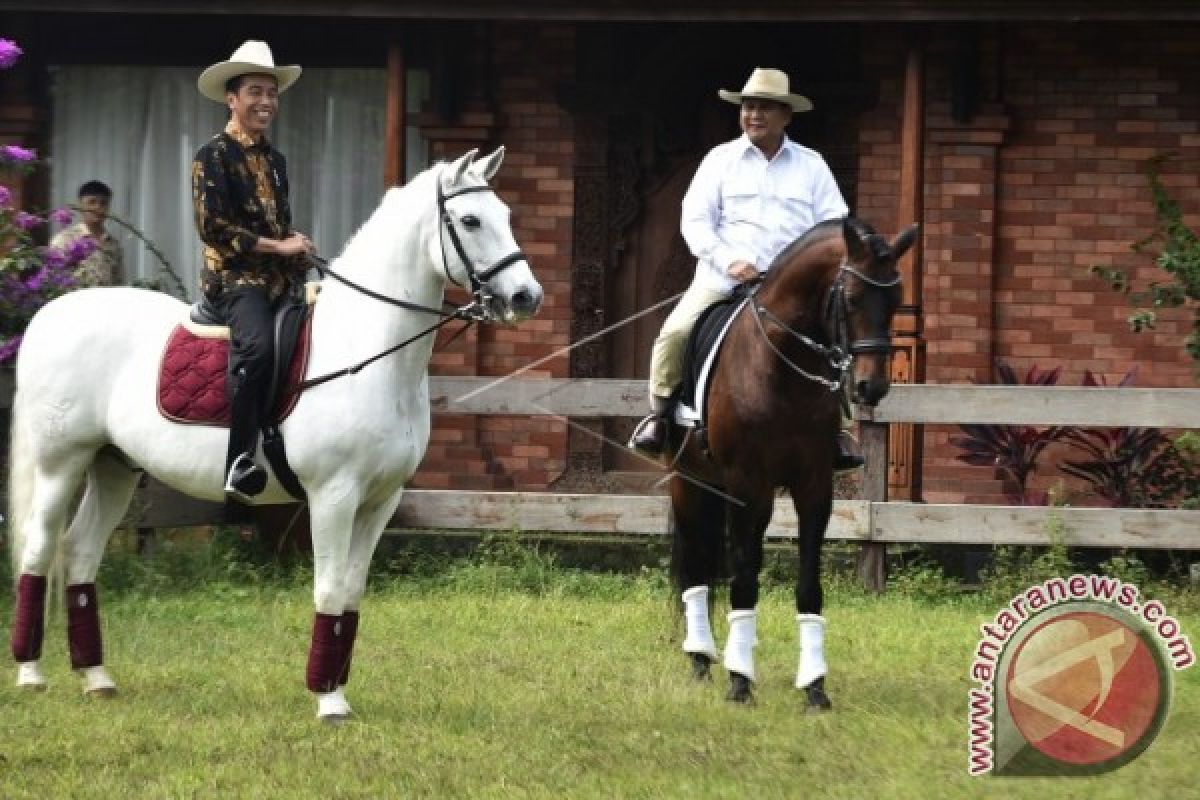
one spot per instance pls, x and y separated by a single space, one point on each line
840 354
477 278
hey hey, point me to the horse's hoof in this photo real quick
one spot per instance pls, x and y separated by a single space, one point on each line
818 701
30 677
332 708
740 689
97 683
701 667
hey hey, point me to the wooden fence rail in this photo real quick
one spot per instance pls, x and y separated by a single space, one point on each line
873 521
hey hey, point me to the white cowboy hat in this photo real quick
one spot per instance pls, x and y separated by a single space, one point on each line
768 84
253 57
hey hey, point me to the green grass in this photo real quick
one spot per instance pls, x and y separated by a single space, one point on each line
513 680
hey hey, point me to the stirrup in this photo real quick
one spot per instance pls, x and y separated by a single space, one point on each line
245 479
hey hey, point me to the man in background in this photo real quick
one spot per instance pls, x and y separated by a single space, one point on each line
105 266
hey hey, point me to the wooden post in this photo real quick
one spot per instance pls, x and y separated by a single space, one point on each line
394 157
912 169
872 558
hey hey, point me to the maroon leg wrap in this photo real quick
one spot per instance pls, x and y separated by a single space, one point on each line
30 621
83 626
324 654
349 631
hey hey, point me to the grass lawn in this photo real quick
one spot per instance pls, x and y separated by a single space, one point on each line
472 685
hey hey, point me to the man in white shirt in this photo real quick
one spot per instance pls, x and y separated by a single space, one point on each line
750 198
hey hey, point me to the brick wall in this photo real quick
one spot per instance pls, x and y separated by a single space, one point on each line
512 101
1045 180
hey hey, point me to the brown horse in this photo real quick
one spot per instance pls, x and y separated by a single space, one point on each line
774 409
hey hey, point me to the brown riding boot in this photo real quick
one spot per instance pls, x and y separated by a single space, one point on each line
847 458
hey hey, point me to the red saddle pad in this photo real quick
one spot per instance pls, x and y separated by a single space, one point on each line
191 378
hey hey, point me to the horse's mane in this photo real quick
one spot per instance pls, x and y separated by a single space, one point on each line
404 202
813 236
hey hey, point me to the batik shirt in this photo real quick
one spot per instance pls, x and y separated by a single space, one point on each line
239 193
104 267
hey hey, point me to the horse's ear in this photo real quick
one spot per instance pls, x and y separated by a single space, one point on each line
460 167
487 168
855 234
906 239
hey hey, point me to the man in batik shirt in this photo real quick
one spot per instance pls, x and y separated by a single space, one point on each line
104 266
252 256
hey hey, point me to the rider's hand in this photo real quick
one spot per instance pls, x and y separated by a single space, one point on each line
742 271
297 244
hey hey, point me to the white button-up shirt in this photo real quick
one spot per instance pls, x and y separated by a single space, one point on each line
742 207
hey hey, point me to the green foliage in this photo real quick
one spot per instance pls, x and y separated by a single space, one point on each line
1176 248
1015 568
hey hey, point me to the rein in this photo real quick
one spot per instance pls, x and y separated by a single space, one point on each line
475 311
840 354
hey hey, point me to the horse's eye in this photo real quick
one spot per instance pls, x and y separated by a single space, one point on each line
471 221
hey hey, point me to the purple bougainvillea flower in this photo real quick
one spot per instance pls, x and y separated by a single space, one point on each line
61 216
26 221
80 249
5 197
9 53
11 152
53 258
36 280
9 349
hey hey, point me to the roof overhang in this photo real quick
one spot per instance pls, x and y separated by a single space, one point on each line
648 10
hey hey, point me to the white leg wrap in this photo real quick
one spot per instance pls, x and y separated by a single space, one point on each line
29 676
699 631
96 681
812 649
743 636
332 707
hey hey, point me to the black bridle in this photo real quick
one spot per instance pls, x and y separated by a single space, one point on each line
840 354
478 310
478 279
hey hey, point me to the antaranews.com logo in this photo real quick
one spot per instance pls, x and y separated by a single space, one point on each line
1075 678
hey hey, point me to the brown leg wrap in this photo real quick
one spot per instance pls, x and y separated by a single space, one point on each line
30 622
83 626
324 654
349 631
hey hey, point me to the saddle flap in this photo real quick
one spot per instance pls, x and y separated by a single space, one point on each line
192 375
704 344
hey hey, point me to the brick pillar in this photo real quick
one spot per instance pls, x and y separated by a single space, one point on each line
960 261
960 245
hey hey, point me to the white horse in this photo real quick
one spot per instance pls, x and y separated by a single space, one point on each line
85 412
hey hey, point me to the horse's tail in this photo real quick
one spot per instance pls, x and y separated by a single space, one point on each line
20 483
698 544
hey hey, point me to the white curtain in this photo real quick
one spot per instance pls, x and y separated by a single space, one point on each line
137 129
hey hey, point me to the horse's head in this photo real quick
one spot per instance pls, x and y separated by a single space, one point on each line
475 242
863 300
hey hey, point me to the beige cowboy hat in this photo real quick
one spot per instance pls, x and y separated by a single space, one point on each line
253 57
768 84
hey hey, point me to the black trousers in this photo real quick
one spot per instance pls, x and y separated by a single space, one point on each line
251 322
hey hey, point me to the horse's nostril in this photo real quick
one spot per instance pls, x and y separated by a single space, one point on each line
527 300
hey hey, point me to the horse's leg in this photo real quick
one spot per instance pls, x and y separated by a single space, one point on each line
813 507
332 510
53 488
698 526
368 528
747 523
109 487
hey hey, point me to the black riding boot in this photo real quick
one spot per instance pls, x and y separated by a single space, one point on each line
847 458
243 478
